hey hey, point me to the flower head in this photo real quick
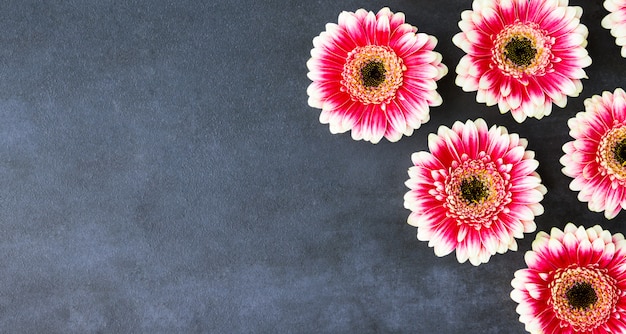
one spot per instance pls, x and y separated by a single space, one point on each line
615 21
374 75
476 191
575 282
596 159
522 55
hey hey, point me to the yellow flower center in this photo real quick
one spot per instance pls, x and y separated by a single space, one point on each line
372 74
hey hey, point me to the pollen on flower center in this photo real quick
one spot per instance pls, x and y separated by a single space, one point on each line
611 154
372 74
581 295
473 190
620 152
522 49
583 298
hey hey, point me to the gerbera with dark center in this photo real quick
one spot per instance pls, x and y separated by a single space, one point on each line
475 192
575 282
615 21
374 75
596 158
522 55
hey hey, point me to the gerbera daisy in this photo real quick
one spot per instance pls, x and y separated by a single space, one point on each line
476 191
575 282
374 75
616 22
522 55
596 159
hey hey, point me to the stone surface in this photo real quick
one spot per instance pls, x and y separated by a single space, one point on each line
162 172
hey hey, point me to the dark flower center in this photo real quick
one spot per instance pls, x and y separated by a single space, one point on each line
473 190
581 295
373 73
620 152
520 51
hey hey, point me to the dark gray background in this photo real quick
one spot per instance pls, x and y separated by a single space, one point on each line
162 172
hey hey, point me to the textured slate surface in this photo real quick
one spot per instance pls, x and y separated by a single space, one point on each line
161 172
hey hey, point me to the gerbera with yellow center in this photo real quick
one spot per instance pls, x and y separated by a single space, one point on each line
575 282
522 55
374 75
596 158
475 192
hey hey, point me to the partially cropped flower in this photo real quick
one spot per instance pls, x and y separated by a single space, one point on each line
575 282
616 22
596 159
522 55
476 191
374 75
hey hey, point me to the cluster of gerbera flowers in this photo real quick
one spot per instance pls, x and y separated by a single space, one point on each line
477 189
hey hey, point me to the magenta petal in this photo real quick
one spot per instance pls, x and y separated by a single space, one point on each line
584 252
470 139
383 31
526 166
619 106
354 29
508 11
395 117
571 245
378 124
369 28
444 238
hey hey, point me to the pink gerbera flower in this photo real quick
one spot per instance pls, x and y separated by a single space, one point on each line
596 159
616 22
522 55
374 75
476 191
575 282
